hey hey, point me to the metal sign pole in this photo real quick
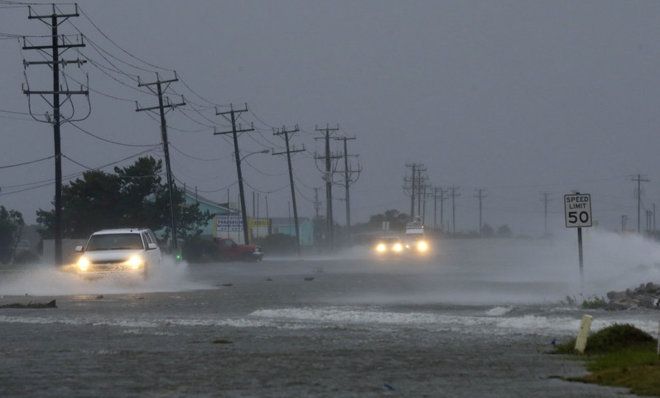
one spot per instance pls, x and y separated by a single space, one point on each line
577 214
581 256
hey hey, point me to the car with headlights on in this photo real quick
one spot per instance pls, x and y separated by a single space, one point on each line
389 246
408 245
130 251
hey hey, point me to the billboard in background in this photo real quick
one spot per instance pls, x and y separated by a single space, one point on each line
229 226
259 227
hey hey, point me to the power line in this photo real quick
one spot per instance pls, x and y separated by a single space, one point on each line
195 157
262 121
121 48
111 163
110 141
14 112
25 189
142 60
263 173
50 181
208 190
9 166
276 190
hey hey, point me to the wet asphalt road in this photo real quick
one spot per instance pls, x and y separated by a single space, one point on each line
339 326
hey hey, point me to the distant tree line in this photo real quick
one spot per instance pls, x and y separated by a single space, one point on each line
11 227
397 223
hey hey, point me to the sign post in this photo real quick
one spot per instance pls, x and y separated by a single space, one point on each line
577 214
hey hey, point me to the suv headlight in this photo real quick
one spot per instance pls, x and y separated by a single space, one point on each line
422 246
135 262
83 263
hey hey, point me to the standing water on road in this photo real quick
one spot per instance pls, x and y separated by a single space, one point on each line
301 326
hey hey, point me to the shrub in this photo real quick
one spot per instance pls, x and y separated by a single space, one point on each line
594 302
277 243
199 250
26 257
611 338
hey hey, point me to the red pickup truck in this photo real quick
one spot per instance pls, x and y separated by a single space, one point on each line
232 251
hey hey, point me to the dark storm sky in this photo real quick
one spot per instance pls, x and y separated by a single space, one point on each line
516 97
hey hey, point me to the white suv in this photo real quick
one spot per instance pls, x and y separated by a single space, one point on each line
129 250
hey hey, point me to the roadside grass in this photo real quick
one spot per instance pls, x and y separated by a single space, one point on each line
594 302
620 356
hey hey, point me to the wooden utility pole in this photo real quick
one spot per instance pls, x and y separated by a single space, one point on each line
480 195
453 194
164 105
317 203
546 199
286 134
236 129
639 179
59 44
413 188
624 219
326 132
350 177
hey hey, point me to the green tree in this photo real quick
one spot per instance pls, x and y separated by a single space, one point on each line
396 219
132 196
89 203
11 226
504 231
487 231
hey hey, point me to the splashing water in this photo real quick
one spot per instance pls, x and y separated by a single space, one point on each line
41 280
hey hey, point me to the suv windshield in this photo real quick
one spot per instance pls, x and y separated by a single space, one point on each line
115 242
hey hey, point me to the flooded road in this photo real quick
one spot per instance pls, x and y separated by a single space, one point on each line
475 320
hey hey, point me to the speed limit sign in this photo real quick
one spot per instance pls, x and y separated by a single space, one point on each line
577 210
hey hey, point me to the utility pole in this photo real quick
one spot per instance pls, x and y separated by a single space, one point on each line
63 43
419 191
624 219
443 196
328 181
285 133
639 179
653 221
317 203
546 199
480 195
164 105
236 128
268 216
435 207
414 190
254 199
424 196
348 180
453 194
